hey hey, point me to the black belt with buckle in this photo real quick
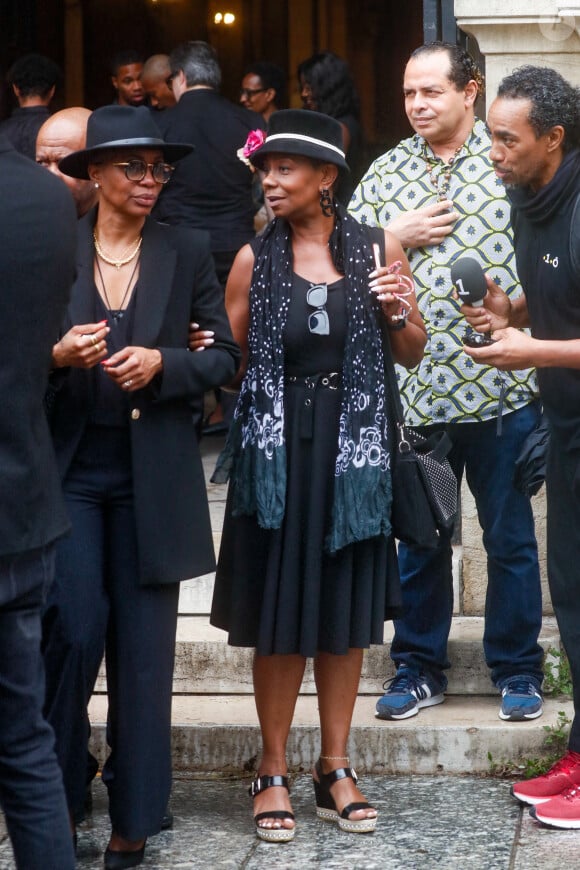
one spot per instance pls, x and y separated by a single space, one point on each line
330 380
327 380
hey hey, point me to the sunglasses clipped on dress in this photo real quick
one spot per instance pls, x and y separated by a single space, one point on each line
318 322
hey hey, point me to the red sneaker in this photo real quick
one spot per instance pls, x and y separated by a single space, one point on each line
562 811
563 775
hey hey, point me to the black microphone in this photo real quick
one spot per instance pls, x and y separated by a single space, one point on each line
469 281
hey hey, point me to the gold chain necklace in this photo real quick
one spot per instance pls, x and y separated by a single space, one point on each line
441 180
125 256
116 313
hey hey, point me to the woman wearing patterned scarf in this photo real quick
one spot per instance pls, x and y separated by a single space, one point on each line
307 566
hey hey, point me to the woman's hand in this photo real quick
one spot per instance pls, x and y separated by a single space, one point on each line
393 285
391 289
199 338
133 367
82 347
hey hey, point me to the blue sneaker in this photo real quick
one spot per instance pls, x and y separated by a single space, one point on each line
406 694
521 699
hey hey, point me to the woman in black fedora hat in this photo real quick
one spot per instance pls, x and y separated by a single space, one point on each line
307 567
122 388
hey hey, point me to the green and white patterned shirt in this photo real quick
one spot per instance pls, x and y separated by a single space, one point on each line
448 386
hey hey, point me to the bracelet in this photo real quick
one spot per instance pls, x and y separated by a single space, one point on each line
395 327
334 757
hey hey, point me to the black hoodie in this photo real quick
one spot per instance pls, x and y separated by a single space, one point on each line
547 244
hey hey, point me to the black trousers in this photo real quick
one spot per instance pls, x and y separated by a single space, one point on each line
31 790
563 539
96 603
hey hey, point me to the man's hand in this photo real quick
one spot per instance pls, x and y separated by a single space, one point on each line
421 227
511 350
493 314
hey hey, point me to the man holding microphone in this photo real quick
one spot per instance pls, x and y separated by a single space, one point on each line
535 132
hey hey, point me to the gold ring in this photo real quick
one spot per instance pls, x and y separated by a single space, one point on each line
94 340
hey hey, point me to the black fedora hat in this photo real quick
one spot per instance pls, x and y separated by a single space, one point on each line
306 133
117 127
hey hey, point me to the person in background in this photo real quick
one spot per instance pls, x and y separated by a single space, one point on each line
219 201
534 124
33 79
37 258
131 472
63 133
263 88
156 82
126 70
327 86
307 567
444 171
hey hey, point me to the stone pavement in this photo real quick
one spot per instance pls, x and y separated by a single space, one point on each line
426 822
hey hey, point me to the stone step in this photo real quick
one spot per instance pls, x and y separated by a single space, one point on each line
217 733
205 664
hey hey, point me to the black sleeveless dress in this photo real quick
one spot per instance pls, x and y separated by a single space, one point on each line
278 590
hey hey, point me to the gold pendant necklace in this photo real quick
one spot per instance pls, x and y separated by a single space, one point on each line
116 313
441 180
125 257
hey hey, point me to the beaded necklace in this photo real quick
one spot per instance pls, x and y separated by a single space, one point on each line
441 180
127 255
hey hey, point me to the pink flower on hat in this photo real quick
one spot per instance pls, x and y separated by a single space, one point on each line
255 140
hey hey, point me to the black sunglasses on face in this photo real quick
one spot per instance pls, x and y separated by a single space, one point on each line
136 170
251 92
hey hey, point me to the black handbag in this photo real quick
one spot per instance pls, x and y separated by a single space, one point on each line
424 485
530 466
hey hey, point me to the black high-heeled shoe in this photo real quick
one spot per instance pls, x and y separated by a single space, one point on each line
272 835
122 860
326 806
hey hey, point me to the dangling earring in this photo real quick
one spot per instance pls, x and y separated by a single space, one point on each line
326 202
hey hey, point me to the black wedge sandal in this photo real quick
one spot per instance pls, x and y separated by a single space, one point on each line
272 835
326 806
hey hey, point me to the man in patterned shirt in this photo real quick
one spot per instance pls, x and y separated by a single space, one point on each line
438 193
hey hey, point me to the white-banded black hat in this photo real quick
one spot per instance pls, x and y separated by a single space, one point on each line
306 133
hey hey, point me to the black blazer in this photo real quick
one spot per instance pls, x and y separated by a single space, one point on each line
37 251
177 284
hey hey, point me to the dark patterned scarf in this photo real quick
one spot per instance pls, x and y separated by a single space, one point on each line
256 445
